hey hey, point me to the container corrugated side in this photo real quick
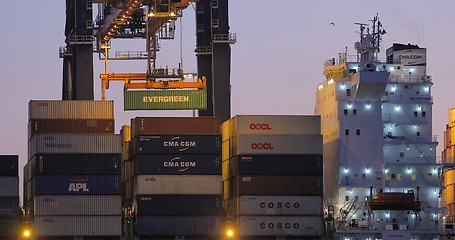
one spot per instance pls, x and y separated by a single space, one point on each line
178 205
36 126
304 226
204 226
273 144
74 143
176 125
76 185
126 133
272 185
190 164
271 124
177 184
67 109
75 164
9 186
273 205
48 226
9 206
9 165
56 205
154 144
165 99
272 165
10 228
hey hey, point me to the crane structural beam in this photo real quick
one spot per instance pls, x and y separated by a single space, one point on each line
148 81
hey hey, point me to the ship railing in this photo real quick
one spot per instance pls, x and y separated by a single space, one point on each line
422 139
410 78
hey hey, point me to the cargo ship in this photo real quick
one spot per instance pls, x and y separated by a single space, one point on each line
381 178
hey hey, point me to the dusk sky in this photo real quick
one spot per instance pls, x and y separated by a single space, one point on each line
277 62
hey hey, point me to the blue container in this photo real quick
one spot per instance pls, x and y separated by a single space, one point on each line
148 164
204 226
76 185
178 205
9 207
76 164
206 144
272 165
9 165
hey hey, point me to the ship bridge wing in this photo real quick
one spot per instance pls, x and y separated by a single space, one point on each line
370 85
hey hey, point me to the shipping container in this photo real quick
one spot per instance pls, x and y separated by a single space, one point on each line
10 228
49 226
175 125
271 124
75 164
126 133
127 190
36 126
204 226
74 143
273 144
188 164
28 191
70 109
304 226
9 207
76 185
147 144
272 185
177 205
273 205
165 99
9 165
9 186
126 153
272 165
177 184
57 205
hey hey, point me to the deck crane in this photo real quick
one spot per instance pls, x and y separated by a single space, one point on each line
150 20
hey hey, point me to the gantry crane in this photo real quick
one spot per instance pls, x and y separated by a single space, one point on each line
150 20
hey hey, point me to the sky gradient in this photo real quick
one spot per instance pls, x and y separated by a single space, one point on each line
277 62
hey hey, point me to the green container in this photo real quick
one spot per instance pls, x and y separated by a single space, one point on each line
9 227
165 100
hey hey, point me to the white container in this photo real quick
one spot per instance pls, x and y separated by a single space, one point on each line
304 226
271 124
74 143
272 144
70 109
9 186
48 226
177 184
77 205
274 205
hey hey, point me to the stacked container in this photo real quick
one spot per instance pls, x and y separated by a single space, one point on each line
272 176
72 178
173 177
9 197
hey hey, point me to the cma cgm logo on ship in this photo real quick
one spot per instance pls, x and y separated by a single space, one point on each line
184 145
176 163
78 185
260 126
410 56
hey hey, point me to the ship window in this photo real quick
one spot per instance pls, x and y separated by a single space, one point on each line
415 113
346 198
348 92
378 176
346 132
393 175
424 114
413 177
354 111
418 133
401 154
345 112
357 132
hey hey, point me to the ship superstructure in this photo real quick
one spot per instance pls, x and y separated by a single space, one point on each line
380 170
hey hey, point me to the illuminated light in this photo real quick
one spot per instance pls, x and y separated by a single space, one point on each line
387 215
394 88
26 233
407 148
368 106
330 81
343 86
426 88
230 233
397 108
349 105
409 170
431 149
391 68
172 14
320 87
367 170
415 126
346 170
419 108
150 14
386 170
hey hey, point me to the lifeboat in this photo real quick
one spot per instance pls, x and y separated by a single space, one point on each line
394 201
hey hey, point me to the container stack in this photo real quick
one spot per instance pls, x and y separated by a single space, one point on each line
272 176
9 197
72 178
173 187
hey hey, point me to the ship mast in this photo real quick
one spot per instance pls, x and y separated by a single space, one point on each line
368 47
